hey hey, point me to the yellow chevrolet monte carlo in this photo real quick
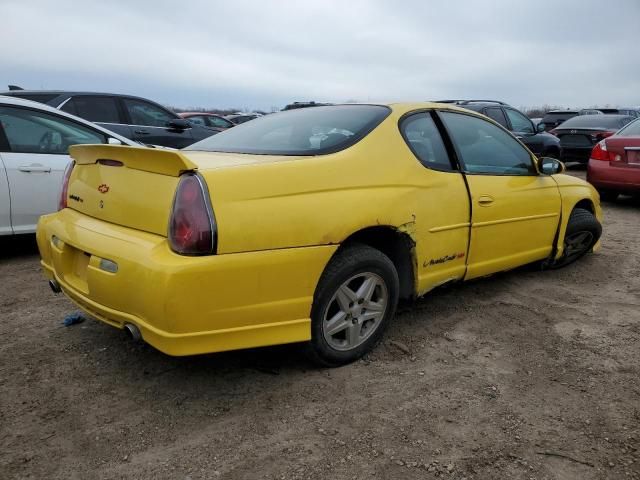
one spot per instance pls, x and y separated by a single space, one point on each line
306 226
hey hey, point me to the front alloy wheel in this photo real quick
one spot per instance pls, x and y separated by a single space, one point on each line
583 231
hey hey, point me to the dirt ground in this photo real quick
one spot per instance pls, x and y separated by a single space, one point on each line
525 375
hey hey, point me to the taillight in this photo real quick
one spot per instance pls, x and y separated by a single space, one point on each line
600 152
192 228
64 191
602 135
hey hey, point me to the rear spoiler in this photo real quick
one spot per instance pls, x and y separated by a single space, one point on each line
164 162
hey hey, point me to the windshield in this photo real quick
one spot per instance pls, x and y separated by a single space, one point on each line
631 130
596 121
305 131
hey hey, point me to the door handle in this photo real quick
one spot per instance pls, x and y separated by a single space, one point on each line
485 200
141 132
34 168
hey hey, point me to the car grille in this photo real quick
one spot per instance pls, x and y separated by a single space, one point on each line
575 141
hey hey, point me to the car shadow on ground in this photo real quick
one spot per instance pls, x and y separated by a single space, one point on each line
287 360
14 246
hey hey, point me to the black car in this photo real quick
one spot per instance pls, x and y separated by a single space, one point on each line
238 118
132 117
579 135
296 105
542 144
553 118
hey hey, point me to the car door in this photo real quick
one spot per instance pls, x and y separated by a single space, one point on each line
101 109
441 203
150 124
524 131
5 199
515 211
35 158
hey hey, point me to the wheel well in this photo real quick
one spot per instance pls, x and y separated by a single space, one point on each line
396 245
586 205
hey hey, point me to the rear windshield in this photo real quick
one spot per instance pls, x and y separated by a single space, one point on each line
631 130
597 121
305 131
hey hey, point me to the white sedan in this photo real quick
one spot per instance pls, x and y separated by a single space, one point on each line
34 141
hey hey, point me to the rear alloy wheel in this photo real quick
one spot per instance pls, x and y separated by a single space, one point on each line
356 297
583 231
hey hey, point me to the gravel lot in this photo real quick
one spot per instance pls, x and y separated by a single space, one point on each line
525 375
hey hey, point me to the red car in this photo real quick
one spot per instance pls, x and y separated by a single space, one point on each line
211 120
614 166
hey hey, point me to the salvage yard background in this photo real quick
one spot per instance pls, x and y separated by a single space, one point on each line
525 375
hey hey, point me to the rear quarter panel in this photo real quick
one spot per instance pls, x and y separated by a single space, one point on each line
316 200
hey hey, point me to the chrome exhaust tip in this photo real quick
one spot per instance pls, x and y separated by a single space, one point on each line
133 332
55 286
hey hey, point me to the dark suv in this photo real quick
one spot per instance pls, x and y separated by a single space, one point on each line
136 118
542 144
553 118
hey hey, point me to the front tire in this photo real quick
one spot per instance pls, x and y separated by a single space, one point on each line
583 231
355 300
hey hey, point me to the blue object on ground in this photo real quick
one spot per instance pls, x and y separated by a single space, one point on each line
73 319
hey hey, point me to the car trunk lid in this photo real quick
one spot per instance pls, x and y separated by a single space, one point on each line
624 150
582 137
128 186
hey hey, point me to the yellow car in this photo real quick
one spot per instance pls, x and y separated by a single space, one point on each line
306 226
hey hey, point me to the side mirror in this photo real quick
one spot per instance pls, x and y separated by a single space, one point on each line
178 124
551 166
113 141
541 127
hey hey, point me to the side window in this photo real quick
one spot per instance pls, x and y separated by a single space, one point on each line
31 131
498 115
519 122
485 148
196 120
94 109
422 136
219 122
144 113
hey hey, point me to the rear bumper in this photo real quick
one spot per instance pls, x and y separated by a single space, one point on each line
182 305
623 178
576 154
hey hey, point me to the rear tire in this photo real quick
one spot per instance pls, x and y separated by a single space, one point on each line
552 153
608 195
355 300
583 231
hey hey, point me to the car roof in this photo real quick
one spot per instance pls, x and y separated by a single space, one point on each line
563 111
199 113
20 102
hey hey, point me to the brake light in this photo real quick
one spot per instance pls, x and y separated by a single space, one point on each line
64 191
192 228
602 135
600 152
